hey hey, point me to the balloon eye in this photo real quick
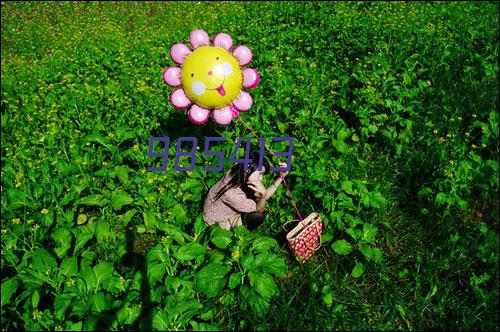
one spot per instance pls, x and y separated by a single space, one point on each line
192 75
217 58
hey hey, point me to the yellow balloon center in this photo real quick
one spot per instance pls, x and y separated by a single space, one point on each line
211 77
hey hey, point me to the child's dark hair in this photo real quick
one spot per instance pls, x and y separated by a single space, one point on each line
239 176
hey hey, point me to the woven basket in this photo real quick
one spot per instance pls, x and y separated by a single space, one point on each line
305 238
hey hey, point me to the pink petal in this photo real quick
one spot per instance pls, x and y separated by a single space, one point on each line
223 40
223 116
179 99
198 115
172 76
243 102
251 78
179 52
243 54
199 38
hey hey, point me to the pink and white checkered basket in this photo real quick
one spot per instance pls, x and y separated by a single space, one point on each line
305 238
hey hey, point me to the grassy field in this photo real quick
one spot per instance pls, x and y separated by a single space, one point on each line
394 110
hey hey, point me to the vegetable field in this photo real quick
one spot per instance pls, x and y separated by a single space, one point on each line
393 107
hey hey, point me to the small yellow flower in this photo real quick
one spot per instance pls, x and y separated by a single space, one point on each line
70 282
474 146
35 227
16 221
435 131
37 314
235 255
441 140
45 211
483 145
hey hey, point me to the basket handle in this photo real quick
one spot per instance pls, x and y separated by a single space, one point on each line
320 243
290 221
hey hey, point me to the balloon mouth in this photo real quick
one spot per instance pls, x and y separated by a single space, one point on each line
221 90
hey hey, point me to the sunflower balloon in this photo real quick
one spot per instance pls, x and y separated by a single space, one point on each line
210 78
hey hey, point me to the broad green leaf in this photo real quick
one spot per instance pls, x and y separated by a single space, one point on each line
262 283
358 270
9 287
160 321
122 173
204 326
369 232
211 279
17 199
175 232
156 271
342 247
327 296
43 261
35 298
83 235
377 200
441 198
69 266
235 279
103 271
180 214
209 315
102 230
339 145
63 238
61 304
190 251
93 200
70 326
221 237
33 279
128 315
270 263
377 255
257 303
99 303
263 243
247 262
157 253
125 218
199 225
347 187
121 199
149 219
352 233
367 252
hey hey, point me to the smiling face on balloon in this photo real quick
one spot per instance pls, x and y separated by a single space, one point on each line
211 77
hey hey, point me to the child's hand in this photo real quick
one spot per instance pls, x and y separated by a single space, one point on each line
258 188
283 165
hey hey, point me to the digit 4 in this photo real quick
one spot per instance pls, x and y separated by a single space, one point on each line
246 160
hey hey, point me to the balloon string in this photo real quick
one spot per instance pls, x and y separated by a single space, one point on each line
282 176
